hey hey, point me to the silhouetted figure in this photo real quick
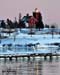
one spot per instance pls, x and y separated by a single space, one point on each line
3 25
38 16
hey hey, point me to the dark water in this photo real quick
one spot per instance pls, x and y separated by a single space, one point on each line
34 66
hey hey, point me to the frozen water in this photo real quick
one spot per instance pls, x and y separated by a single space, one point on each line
23 39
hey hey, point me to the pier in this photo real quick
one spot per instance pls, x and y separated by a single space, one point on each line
28 56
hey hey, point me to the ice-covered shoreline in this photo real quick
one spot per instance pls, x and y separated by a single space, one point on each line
44 42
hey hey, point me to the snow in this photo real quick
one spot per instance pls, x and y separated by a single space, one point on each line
22 38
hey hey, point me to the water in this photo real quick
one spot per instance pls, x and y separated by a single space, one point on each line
37 66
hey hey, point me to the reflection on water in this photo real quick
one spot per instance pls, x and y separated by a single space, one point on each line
37 66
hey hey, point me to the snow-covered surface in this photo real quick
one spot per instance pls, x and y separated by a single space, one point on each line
40 43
